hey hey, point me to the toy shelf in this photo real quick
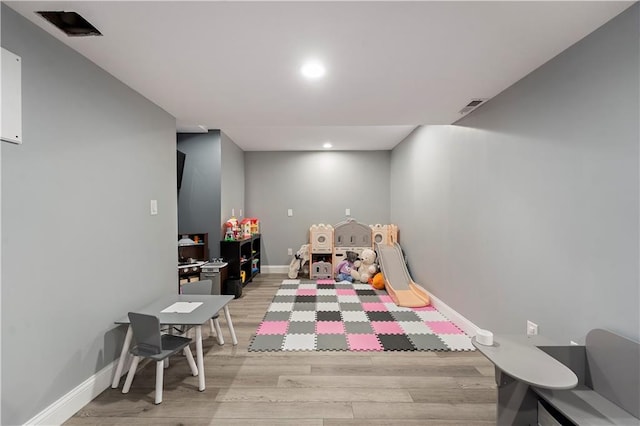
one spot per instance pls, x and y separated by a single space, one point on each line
243 257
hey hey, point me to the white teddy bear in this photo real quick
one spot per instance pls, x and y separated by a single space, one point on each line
365 267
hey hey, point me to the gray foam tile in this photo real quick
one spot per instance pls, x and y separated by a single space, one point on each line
350 306
302 327
277 316
267 343
284 299
427 342
303 306
370 299
358 328
289 286
326 299
405 316
332 342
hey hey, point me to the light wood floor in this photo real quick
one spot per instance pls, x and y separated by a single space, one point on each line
303 388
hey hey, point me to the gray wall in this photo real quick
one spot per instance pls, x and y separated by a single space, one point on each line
79 247
318 186
528 208
199 197
231 180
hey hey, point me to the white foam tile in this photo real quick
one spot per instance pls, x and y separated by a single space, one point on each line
362 286
299 342
395 308
327 306
354 316
348 299
307 286
457 342
303 316
414 327
326 292
280 307
286 292
430 316
291 282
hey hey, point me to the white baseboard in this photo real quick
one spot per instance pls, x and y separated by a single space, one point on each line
452 315
274 269
64 408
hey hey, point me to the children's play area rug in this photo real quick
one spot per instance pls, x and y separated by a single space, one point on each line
329 316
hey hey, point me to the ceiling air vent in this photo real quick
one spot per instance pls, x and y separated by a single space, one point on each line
471 106
71 23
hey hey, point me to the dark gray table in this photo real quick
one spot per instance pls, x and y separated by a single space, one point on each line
211 305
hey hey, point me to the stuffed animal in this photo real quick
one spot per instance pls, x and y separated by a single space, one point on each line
378 281
300 259
344 268
366 267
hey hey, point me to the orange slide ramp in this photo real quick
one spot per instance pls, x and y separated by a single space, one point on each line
398 282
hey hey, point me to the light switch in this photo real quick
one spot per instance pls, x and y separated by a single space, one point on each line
347 212
154 207
290 212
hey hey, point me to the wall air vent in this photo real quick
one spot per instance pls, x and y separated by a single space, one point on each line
472 105
71 23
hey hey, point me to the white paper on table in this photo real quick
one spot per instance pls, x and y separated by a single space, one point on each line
181 307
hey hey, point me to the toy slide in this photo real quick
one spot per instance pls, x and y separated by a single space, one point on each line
398 282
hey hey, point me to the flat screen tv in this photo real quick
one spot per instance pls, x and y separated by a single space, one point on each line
180 157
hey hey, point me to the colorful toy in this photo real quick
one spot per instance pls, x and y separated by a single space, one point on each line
255 225
378 281
366 267
245 228
344 268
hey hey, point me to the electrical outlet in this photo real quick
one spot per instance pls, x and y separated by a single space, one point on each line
153 205
290 252
532 328
289 212
347 212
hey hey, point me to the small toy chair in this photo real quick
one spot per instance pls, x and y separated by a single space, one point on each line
204 287
158 347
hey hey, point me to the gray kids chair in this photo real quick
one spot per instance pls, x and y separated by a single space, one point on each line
150 343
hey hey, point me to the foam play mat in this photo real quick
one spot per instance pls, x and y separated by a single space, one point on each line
328 316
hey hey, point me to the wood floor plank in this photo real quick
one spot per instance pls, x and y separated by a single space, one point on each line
452 395
372 382
418 411
411 370
312 395
405 422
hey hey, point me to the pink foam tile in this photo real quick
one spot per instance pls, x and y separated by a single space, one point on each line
386 299
273 327
325 282
374 307
424 308
306 292
345 292
443 327
386 327
364 342
329 327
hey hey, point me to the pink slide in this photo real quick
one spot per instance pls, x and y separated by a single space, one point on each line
398 282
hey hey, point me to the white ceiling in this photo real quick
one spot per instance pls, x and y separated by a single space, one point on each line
391 66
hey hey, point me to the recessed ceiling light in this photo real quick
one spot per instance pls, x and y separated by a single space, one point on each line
313 69
327 145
